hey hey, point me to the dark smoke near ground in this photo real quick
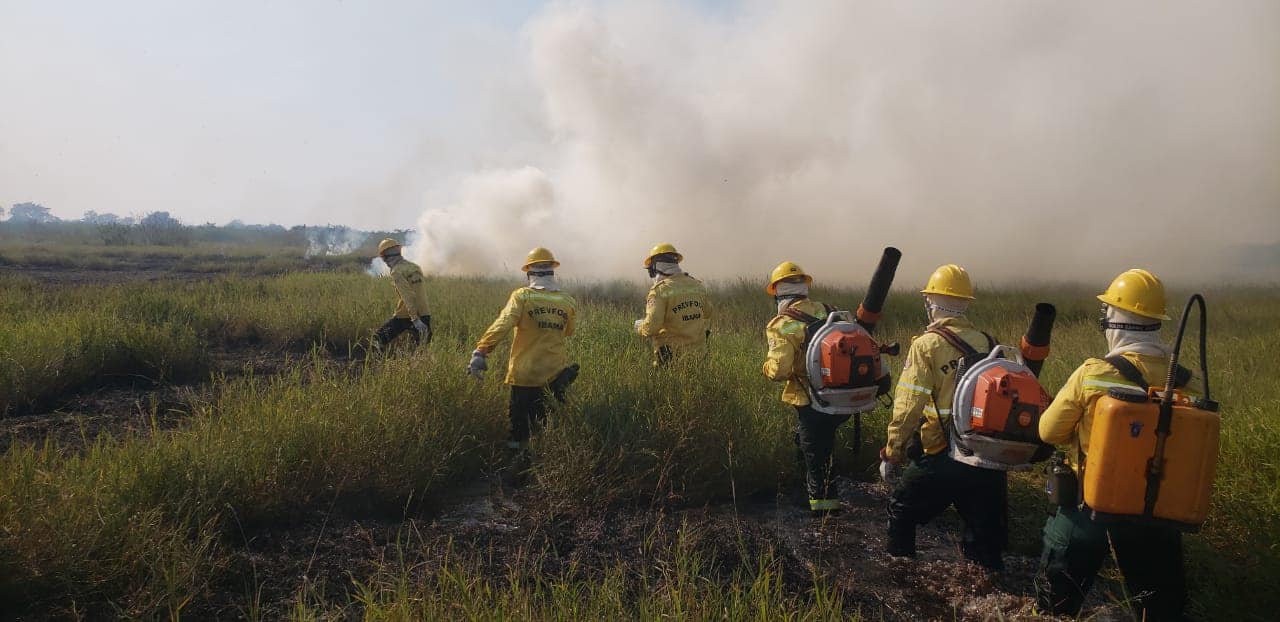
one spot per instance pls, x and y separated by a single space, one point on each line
1026 140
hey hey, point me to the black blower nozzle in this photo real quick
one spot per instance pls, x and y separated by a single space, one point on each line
869 311
1035 344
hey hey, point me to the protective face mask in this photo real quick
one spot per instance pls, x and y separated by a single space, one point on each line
662 269
938 307
544 281
1132 333
786 292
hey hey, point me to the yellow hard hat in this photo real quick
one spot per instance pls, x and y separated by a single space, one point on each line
387 244
784 270
539 255
662 249
949 280
1137 291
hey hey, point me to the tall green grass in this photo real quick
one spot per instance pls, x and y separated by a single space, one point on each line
143 522
679 582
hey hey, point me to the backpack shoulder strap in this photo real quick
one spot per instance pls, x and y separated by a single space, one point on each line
955 340
1127 370
798 315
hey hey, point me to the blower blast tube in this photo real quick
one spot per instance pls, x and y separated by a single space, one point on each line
869 311
1035 344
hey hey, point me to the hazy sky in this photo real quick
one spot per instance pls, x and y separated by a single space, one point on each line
293 111
1078 139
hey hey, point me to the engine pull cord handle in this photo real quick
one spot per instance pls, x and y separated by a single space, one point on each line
1155 466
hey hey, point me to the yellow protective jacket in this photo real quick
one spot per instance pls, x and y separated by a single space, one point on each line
542 320
677 313
412 289
927 386
786 352
1069 419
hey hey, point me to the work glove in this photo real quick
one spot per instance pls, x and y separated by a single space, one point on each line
890 472
423 328
638 324
478 365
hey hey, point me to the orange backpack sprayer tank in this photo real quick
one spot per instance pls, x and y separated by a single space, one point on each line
1153 456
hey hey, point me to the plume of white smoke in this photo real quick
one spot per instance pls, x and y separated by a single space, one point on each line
377 267
1028 140
333 240
491 226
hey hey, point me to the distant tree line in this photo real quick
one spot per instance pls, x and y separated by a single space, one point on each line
32 222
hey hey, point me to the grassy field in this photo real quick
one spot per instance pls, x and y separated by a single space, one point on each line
146 524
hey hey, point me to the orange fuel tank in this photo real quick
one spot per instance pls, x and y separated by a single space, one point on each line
1122 445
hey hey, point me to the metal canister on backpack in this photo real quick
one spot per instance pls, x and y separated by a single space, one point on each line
1060 482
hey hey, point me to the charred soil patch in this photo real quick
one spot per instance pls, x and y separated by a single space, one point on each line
138 406
500 532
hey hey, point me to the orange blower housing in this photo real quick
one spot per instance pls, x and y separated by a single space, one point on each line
1008 404
849 359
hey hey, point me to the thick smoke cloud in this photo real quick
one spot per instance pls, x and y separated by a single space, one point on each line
1026 140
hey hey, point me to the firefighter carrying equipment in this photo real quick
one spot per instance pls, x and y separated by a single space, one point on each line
949 280
662 249
786 269
845 373
411 286
995 417
539 255
1137 291
677 313
1153 454
541 321
387 244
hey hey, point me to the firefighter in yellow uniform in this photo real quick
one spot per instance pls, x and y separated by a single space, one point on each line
411 309
1149 556
815 431
541 317
932 480
677 312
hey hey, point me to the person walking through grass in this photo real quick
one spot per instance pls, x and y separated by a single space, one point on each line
1149 555
815 431
539 318
411 308
932 481
677 311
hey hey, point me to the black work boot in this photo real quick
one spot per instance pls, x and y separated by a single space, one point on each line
902 539
519 461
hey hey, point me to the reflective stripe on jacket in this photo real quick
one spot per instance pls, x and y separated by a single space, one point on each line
1069 419
542 321
786 352
411 286
927 386
677 313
